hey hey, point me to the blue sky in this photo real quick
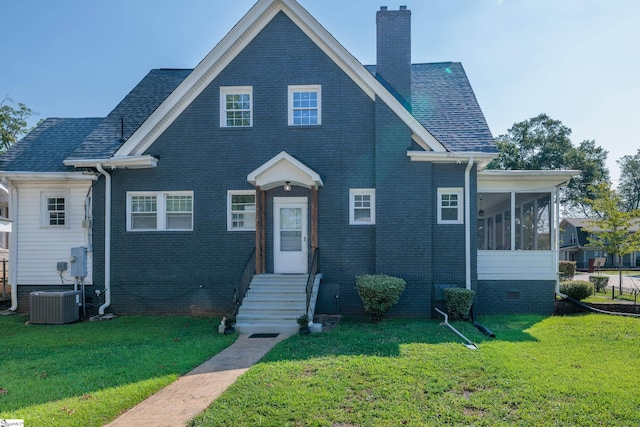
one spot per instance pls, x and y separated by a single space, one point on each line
576 60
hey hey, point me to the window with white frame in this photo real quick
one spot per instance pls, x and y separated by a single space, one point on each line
236 106
54 209
161 211
362 206
241 210
305 105
450 206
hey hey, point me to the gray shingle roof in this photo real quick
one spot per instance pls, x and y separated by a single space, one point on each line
134 109
45 148
443 101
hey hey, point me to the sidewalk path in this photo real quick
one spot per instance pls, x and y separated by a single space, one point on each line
191 394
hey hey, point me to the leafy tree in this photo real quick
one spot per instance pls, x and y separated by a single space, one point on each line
13 123
629 186
542 143
610 230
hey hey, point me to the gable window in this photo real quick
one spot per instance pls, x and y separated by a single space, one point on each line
305 105
54 212
450 206
236 106
161 211
241 210
362 206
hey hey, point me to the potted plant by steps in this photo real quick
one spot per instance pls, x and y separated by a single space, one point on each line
229 324
303 323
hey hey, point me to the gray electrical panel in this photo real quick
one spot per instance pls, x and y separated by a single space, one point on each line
78 261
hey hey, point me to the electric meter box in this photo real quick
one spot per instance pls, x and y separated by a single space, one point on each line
78 261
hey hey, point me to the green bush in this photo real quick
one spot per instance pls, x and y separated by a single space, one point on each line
379 293
567 270
577 289
599 282
459 301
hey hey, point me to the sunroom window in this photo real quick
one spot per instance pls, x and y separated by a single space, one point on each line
530 222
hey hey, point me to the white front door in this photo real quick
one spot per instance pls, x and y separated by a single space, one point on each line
290 235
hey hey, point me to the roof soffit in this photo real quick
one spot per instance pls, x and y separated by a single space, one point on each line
234 42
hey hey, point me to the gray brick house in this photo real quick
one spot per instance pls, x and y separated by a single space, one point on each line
280 155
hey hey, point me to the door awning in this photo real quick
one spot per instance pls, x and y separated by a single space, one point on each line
284 168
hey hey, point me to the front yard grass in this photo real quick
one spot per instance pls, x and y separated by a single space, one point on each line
85 374
543 371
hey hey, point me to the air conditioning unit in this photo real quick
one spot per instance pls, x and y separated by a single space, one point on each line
54 307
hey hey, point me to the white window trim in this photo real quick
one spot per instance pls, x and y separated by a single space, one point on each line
44 212
362 191
235 90
230 193
459 191
161 213
305 88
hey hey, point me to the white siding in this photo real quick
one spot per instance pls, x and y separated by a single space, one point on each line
517 265
39 248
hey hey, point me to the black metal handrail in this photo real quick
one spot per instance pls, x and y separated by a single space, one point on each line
244 280
313 270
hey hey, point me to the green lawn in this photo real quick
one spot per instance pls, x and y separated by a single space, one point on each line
85 374
560 371
557 371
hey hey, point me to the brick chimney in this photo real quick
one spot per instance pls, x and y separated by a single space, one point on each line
394 49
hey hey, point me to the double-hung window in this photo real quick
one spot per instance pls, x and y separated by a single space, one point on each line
450 204
53 208
236 106
161 211
362 206
305 105
241 210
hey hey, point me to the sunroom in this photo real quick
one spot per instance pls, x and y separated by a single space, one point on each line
517 224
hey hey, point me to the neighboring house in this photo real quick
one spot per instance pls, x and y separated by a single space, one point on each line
277 149
574 246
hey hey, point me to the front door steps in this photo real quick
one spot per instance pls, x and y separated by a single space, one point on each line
274 302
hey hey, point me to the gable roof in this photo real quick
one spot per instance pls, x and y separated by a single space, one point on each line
235 41
445 118
44 148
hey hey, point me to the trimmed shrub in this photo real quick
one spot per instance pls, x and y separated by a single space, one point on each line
599 282
567 270
577 289
379 293
459 301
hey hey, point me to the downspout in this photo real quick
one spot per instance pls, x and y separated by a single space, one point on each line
467 223
107 240
13 245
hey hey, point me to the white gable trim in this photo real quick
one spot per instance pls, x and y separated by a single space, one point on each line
281 169
234 42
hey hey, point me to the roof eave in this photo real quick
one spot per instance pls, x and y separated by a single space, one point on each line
482 159
123 162
16 176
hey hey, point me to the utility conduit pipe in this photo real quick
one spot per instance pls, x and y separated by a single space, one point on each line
470 345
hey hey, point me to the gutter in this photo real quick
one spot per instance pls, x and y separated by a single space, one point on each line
467 223
107 239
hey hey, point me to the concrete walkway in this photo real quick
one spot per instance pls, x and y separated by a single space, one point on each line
191 394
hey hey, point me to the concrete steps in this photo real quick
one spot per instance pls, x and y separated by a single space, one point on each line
274 302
